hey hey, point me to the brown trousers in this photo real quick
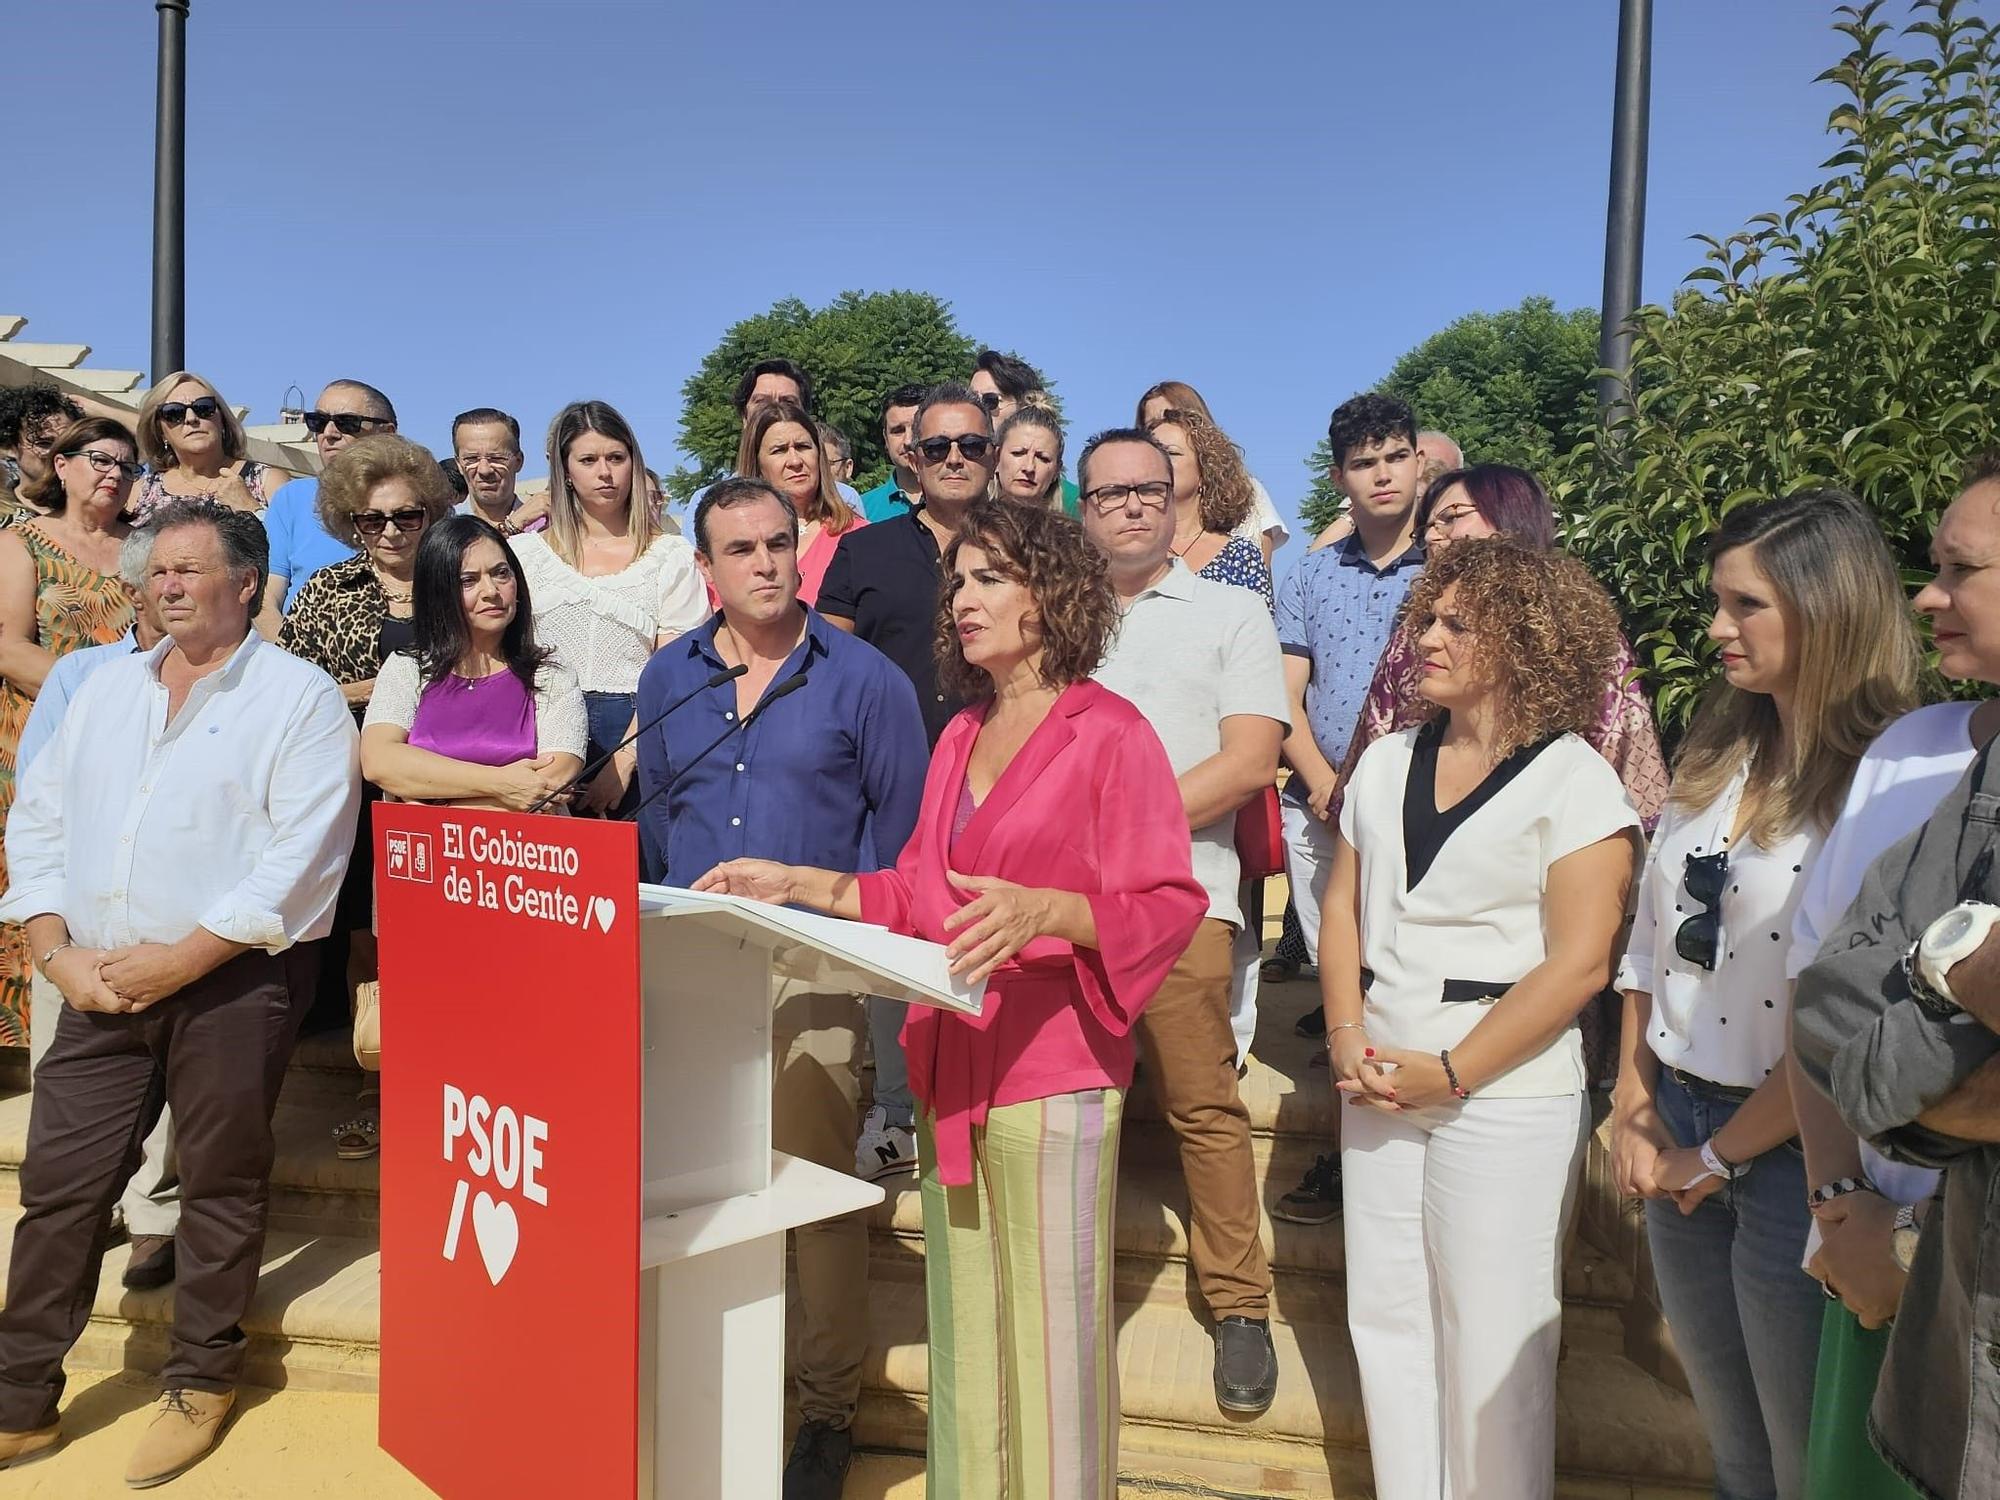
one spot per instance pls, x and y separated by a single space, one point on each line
216 1054
815 1094
1190 1056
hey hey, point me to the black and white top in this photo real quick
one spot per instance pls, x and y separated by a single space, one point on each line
1452 902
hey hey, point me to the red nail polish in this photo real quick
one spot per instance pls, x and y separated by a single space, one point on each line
1367 1051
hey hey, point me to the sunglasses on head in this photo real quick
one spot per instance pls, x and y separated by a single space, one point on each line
1697 937
374 522
175 413
348 422
972 447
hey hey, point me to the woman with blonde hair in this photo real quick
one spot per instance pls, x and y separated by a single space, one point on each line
1818 657
1030 471
194 449
784 447
1263 526
610 585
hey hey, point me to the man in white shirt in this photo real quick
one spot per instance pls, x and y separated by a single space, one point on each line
1201 661
173 853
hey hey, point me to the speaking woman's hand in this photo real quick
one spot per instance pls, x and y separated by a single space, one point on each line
996 924
753 879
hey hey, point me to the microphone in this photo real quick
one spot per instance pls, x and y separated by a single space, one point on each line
727 674
790 685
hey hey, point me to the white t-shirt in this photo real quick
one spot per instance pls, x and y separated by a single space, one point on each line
1897 785
561 725
1730 1024
1452 903
604 629
1263 518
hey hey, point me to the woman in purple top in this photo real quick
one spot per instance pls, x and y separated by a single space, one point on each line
476 715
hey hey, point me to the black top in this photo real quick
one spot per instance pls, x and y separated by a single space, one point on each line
886 578
1425 829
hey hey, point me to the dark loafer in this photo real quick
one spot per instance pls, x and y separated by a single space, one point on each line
1246 1365
152 1262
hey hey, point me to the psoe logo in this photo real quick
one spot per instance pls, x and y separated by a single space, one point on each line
504 1147
410 858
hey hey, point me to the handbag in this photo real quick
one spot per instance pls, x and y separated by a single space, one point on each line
1260 836
368 1025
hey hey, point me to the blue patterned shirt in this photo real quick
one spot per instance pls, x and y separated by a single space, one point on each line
1336 609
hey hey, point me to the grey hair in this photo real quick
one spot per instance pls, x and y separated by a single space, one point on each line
951 393
245 547
135 556
1435 432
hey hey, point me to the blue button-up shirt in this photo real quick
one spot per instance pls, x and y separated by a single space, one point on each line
831 777
1336 609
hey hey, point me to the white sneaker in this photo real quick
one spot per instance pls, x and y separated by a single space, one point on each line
883 1149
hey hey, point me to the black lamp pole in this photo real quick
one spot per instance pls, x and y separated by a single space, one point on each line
170 194
1625 218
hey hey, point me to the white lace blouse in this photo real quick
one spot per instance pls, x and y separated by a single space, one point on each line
604 629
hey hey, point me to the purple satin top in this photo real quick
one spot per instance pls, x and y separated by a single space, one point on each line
487 722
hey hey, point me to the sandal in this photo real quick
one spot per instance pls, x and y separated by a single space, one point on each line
357 1139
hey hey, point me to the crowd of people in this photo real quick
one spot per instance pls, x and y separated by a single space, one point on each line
1064 729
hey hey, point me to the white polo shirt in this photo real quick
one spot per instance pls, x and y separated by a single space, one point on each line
1189 653
1452 903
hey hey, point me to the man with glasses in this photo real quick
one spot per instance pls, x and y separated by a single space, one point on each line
486 444
300 545
1200 660
30 418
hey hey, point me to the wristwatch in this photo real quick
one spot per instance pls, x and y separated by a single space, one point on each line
1956 935
1903 1237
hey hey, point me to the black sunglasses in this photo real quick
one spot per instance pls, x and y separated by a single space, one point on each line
175 413
374 522
972 447
347 421
1698 935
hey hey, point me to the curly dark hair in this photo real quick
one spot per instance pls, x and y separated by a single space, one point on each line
36 404
1047 552
1371 418
1542 628
1225 484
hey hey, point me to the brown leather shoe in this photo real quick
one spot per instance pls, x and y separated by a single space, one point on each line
185 1426
26 1447
152 1262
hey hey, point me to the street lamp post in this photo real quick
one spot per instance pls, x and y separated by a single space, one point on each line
1625 217
170 194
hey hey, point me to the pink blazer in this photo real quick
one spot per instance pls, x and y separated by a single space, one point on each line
1090 804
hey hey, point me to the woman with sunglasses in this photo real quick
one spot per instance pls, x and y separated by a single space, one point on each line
1818 657
782 446
59 592
193 446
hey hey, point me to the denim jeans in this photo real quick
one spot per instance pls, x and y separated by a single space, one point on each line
892 1074
610 718
1744 1314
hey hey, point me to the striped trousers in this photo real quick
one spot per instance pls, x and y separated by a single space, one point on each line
1023 1354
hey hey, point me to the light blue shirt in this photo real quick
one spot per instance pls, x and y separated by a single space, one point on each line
300 546
52 702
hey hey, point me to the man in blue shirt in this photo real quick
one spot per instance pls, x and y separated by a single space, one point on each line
300 546
831 776
900 492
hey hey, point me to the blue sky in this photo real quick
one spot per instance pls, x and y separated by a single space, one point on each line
518 204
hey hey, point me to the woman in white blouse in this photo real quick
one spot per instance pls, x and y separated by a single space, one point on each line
1818 655
610 587
1478 887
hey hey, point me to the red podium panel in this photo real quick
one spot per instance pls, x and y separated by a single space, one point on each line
510 1150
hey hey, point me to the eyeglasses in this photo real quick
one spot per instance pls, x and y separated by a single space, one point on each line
990 400
348 422
374 522
175 413
971 447
1698 935
105 463
1153 495
1444 520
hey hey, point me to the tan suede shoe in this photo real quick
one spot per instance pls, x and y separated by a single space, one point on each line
26 1447
184 1427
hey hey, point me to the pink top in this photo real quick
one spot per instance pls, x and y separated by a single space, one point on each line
1090 804
818 554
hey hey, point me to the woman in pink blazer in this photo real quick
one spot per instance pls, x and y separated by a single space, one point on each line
1052 856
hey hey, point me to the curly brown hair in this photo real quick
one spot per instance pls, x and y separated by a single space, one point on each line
1543 630
1225 484
354 472
1048 553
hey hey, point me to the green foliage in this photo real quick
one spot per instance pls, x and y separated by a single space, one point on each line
1511 387
857 348
1847 340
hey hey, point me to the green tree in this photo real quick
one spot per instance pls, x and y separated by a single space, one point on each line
1511 387
856 348
1847 341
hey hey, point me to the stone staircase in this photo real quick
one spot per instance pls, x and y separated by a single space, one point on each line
1622 1432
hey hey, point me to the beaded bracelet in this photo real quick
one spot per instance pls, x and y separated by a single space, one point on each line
1839 1188
1451 1075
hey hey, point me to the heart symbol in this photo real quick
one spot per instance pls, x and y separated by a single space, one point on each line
604 909
498 1233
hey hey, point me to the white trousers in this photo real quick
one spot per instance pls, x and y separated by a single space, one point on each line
1246 958
1308 863
151 1203
1454 1222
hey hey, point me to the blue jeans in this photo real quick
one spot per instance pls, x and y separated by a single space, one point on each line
892 1073
610 719
1744 1314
